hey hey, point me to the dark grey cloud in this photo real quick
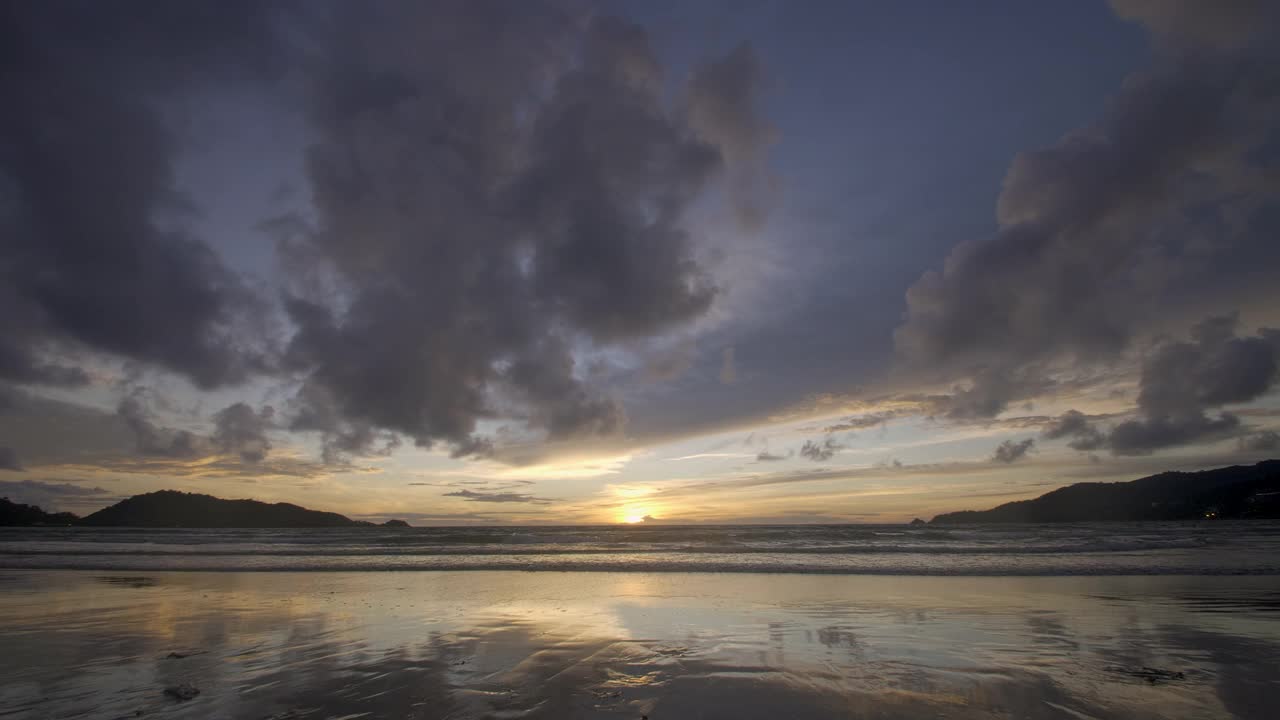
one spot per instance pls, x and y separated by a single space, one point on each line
1084 434
496 497
314 409
1011 451
156 440
1262 441
499 191
241 430
722 97
766 456
1228 23
95 257
1182 381
51 496
1121 222
821 451
238 430
493 200
868 420
9 459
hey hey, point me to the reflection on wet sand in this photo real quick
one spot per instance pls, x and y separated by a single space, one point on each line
563 645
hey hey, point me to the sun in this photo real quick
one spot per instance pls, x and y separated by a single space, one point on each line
632 516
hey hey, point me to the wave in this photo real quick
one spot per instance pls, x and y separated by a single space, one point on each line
615 564
1065 549
1138 549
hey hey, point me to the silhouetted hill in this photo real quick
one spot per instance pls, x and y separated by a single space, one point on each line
170 508
1239 491
12 513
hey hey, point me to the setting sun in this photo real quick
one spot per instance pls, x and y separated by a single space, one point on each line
631 516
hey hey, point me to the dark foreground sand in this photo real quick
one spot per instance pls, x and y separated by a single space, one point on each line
686 646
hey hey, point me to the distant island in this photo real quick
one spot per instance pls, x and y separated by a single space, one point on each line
1239 491
174 509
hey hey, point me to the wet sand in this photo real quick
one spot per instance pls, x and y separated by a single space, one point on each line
628 645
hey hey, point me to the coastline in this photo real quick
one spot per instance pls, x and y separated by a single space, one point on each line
667 645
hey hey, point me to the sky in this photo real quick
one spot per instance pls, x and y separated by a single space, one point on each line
496 262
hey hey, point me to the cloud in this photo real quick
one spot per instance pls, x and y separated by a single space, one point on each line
208 467
821 451
722 97
51 496
1262 441
670 362
498 197
728 367
1181 381
494 201
155 440
238 430
870 420
1084 435
1155 205
498 497
9 459
1010 451
766 456
96 255
1225 23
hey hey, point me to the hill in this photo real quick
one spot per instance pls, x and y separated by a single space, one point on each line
1239 491
171 508
12 513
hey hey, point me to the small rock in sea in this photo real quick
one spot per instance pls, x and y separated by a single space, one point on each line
184 692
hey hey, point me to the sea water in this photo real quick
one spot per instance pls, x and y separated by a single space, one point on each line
1203 548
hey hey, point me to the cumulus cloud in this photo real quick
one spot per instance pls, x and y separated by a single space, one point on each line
484 233
9 459
1262 441
95 256
1012 451
238 430
1228 23
241 430
498 497
1182 381
156 440
1084 435
821 451
1106 230
500 194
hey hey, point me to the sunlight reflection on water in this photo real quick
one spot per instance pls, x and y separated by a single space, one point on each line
508 644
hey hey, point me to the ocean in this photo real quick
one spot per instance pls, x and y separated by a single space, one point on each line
1062 622
1208 548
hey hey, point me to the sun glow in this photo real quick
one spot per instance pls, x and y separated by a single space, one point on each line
633 515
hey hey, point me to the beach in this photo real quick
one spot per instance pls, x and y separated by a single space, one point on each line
512 644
